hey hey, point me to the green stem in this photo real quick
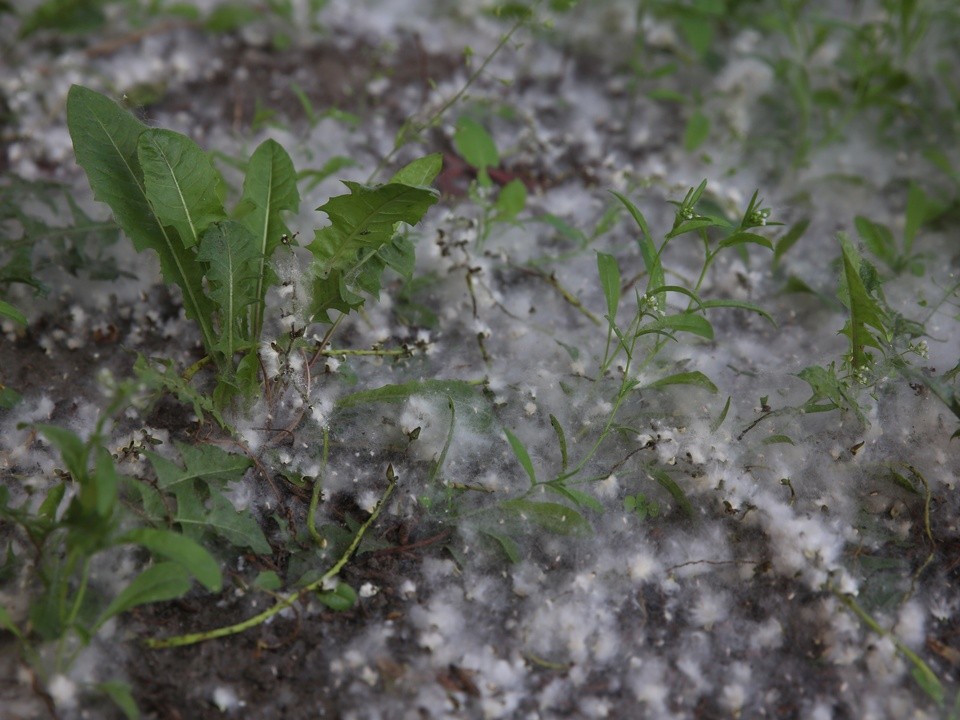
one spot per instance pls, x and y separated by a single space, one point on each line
284 602
417 128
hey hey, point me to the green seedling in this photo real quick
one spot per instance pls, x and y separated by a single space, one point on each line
167 197
69 545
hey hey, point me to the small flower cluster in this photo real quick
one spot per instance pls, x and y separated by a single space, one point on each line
758 218
920 349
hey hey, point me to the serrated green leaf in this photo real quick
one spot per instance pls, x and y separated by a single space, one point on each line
361 223
693 377
179 549
105 139
172 382
864 310
232 254
208 463
553 517
269 188
237 527
180 182
163 581
217 516
340 599
421 172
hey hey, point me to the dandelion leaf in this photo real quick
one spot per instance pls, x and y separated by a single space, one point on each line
105 139
362 224
182 186
234 263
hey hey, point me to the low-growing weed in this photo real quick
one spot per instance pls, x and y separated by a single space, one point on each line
167 197
76 532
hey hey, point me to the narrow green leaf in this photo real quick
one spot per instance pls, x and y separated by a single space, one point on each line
778 439
694 377
579 497
789 239
522 455
741 238
927 680
163 581
7 623
104 482
180 549
181 184
610 282
457 389
561 440
48 508
421 172
696 224
71 447
105 142
878 239
715 425
682 322
9 311
506 543
553 517
740 305
670 485
234 265
269 188
651 257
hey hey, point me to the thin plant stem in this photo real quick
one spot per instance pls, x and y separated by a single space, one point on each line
284 601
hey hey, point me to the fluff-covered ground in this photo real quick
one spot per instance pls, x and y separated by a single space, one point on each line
738 607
